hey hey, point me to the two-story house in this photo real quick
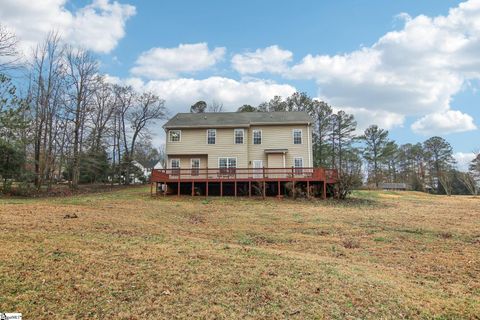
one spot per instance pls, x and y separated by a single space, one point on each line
227 152
239 140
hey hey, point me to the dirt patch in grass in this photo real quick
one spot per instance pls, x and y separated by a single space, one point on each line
130 256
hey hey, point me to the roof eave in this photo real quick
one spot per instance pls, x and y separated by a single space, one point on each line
206 126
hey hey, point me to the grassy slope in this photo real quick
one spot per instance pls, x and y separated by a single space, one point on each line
388 255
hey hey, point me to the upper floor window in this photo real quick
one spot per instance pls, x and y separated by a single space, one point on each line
257 136
238 136
211 136
297 136
174 135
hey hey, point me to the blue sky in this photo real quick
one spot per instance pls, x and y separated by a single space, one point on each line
410 66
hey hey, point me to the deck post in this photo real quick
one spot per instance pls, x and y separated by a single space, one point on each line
308 189
206 182
193 188
235 183
249 188
293 189
221 188
279 193
178 186
324 194
264 189
165 190
151 188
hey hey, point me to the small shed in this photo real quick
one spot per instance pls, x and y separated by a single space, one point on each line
394 186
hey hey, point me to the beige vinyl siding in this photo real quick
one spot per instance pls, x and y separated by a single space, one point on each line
194 141
275 160
280 137
185 161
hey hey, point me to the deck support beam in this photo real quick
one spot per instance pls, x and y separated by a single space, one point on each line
206 183
166 179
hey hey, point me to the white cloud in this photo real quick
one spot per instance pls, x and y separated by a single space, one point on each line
446 122
270 59
180 94
463 159
411 72
365 118
97 26
163 63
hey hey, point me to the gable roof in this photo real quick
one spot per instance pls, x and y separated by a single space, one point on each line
147 164
236 119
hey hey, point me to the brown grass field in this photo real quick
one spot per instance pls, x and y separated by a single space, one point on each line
129 256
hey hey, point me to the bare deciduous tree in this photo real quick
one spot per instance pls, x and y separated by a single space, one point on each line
215 106
82 70
8 49
467 179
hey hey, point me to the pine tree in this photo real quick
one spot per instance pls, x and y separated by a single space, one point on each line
377 149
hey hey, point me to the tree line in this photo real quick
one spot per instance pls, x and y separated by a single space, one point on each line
62 121
66 122
371 157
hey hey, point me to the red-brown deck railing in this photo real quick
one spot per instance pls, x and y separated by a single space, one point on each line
244 174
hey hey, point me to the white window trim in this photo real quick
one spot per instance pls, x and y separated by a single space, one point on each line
191 162
293 136
235 136
236 161
192 168
215 130
170 137
179 163
253 136
294 160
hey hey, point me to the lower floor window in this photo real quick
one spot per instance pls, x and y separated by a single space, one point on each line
175 165
195 167
227 165
298 164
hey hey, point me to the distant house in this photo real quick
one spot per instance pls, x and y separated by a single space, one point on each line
400 186
147 167
226 152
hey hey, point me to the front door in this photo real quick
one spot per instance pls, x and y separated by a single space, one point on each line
257 168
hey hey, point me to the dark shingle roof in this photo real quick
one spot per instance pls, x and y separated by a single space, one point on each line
148 164
236 119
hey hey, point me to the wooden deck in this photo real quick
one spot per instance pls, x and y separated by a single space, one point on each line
240 181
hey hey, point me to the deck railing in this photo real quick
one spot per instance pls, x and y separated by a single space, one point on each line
181 174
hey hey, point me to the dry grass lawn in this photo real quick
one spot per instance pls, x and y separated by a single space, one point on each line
130 256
